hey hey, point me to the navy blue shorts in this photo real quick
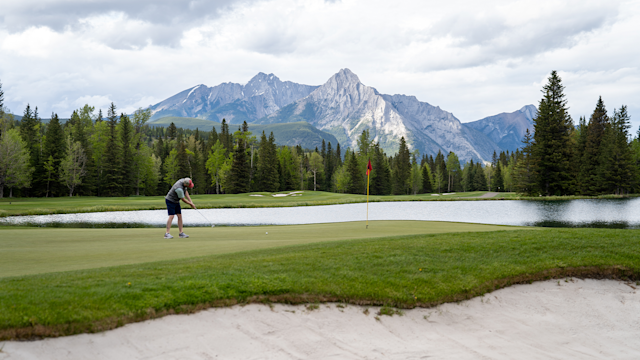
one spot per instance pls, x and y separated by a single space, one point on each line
173 208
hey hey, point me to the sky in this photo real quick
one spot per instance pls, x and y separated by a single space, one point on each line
471 58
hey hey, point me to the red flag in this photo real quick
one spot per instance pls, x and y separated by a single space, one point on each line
369 168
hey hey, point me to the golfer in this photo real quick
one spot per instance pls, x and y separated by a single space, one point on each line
178 192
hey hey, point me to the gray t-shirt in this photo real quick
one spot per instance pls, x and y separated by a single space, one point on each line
171 195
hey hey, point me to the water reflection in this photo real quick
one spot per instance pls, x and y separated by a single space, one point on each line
612 213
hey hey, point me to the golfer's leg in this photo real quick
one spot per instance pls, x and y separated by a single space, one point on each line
180 222
169 223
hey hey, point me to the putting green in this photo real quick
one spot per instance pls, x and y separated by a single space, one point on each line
26 251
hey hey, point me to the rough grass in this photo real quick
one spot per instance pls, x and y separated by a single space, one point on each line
26 251
397 271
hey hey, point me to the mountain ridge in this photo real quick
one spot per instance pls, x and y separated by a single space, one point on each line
343 106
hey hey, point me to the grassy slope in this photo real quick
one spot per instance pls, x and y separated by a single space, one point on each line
65 205
289 134
26 251
404 271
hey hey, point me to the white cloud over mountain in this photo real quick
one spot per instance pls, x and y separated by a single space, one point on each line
473 58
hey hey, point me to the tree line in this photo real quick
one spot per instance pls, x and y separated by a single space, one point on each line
121 155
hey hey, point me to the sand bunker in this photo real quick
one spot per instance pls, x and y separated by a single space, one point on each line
546 320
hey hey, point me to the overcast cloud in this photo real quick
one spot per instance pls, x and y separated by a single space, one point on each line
471 58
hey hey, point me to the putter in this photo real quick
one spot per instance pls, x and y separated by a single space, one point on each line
205 218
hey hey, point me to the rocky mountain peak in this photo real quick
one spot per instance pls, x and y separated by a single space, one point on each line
343 78
529 111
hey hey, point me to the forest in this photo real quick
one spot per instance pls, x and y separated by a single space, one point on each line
122 155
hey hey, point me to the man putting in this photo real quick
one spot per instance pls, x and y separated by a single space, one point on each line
178 192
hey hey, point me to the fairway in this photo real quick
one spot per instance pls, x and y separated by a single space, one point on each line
28 251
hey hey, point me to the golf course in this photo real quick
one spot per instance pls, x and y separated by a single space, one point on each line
63 281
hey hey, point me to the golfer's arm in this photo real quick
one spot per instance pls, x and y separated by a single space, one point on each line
186 196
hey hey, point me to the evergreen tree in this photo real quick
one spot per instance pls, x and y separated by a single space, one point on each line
112 157
225 136
479 179
617 171
427 188
267 174
467 176
355 184
30 134
497 183
54 152
402 169
126 138
525 170
338 156
239 175
581 143
172 131
590 165
182 162
328 167
440 173
552 150
381 173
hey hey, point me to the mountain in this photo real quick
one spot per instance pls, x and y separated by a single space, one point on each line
507 129
290 134
261 96
344 107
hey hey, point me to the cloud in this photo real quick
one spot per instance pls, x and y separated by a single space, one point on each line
152 21
472 58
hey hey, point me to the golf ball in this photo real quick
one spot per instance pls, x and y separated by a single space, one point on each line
266 233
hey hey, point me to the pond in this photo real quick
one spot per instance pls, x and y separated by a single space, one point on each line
612 213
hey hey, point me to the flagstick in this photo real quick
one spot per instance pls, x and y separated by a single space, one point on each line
367 201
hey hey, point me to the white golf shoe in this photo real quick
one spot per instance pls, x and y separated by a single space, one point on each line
168 236
183 235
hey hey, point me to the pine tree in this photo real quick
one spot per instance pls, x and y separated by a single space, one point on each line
552 149
30 134
590 163
112 168
479 179
427 188
328 166
355 185
267 174
467 176
239 175
126 137
225 136
524 174
402 169
616 171
54 152
497 183
440 173
182 161
381 173
172 132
